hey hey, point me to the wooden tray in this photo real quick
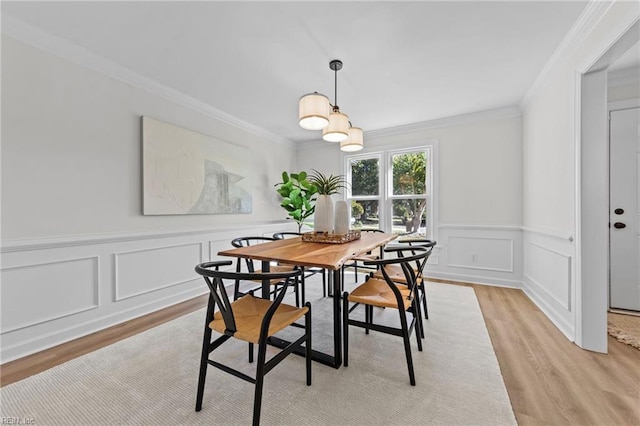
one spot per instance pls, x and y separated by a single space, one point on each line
325 237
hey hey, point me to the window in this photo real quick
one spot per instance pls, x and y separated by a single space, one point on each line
392 191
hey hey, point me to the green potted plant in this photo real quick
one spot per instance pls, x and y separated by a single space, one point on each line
323 219
298 196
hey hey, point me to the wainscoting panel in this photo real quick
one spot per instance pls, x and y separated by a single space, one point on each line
554 279
143 271
54 291
549 276
478 254
28 291
490 254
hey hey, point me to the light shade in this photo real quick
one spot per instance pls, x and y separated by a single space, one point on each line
313 111
338 127
355 141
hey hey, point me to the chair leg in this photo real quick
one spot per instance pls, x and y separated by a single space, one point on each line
368 316
257 399
307 323
423 289
203 367
345 328
417 310
418 327
250 352
204 354
407 346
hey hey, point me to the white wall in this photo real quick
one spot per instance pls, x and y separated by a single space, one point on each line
552 179
77 254
479 165
71 151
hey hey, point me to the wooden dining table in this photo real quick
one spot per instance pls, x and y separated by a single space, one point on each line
294 251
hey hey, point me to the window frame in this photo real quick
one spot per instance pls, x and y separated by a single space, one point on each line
379 155
385 184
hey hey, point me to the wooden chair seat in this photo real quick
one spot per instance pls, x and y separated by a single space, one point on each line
376 292
396 274
248 313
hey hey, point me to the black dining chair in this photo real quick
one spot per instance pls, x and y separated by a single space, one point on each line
308 271
358 261
243 287
385 293
397 275
252 320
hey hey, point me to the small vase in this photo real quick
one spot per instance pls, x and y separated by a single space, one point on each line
342 218
323 215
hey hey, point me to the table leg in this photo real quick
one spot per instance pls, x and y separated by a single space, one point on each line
334 361
266 285
337 319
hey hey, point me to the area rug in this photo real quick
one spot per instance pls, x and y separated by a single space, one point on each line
625 328
151 378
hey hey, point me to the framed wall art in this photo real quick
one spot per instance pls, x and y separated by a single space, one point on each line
185 172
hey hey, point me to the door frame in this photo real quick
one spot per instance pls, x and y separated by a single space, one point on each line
615 106
592 190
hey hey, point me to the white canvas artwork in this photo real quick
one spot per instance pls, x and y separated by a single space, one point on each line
185 172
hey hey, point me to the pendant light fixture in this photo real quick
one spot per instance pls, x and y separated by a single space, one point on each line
355 140
315 112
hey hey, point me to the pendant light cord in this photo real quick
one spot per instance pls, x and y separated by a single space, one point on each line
335 98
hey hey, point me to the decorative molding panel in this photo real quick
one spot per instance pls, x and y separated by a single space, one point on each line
480 254
486 253
549 278
41 292
102 281
550 273
144 271
61 242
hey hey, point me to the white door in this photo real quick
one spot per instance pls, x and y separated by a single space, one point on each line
624 215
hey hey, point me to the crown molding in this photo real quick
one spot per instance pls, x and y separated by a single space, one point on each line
457 120
588 19
623 77
65 49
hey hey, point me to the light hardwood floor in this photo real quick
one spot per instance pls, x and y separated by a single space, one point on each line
550 380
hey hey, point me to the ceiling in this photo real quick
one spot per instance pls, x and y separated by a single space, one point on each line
404 62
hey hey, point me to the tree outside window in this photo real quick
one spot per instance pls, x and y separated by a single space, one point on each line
404 207
409 172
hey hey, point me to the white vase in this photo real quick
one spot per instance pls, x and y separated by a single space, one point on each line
323 215
341 225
